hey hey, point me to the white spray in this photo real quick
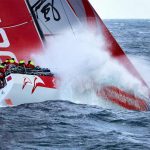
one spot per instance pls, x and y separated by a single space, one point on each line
82 64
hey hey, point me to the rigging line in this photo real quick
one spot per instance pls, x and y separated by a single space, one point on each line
67 18
72 8
17 25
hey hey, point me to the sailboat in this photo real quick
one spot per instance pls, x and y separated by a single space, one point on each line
24 27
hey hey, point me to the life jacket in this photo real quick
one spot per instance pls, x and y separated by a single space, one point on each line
12 61
22 63
2 68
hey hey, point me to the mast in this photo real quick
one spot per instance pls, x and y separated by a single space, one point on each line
35 20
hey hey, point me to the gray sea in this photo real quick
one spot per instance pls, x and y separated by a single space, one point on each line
62 125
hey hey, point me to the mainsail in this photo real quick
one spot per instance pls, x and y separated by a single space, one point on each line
19 36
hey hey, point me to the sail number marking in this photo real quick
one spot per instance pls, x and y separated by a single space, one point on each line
46 7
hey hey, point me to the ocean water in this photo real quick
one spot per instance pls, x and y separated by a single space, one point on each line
54 125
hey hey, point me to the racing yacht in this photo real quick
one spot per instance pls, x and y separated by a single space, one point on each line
24 27
25 85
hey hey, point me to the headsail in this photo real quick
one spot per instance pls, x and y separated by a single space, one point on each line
115 49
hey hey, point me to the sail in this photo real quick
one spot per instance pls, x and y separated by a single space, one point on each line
19 36
23 22
115 49
54 16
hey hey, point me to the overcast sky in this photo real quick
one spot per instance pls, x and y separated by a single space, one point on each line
131 9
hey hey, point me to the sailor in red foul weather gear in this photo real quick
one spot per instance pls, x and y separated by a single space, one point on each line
22 63
2 69
30 64
11 63
6 61
2 75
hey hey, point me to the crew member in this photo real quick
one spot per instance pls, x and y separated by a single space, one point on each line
6 61
2 75
11 63
22 63
2 68
30 64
